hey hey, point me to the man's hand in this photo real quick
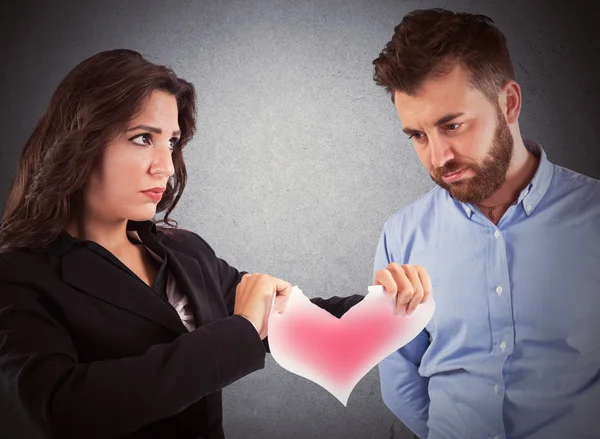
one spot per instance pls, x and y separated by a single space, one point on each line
410 284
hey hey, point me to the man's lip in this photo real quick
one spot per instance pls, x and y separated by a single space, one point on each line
448 178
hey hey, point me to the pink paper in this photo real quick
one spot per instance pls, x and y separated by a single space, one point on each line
338 353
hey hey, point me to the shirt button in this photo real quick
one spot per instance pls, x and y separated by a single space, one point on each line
499 290
497 437
496 389
497 234
503 345
528 207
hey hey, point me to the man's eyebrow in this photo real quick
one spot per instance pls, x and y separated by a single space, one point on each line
441 121
151 129
447 118
410 131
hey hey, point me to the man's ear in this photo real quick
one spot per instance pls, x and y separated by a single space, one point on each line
509 100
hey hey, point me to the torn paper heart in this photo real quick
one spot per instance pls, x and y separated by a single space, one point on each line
337 353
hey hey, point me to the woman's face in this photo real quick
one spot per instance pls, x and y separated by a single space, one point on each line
134 169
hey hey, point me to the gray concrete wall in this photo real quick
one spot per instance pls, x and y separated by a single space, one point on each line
299 157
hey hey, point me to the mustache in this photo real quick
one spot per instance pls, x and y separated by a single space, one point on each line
449 168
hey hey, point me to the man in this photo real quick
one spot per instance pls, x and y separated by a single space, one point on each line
510 240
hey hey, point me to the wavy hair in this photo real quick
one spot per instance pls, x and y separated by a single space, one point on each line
89 108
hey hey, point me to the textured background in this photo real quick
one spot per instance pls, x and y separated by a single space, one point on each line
299 157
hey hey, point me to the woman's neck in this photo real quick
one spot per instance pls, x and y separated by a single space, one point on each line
110 235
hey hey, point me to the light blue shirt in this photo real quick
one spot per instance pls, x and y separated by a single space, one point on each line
513 348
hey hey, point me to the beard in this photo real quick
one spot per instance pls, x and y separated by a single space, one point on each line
490 172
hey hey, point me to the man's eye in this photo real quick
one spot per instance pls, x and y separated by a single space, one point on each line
453 126
416 136
141 139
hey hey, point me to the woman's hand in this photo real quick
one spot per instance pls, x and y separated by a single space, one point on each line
410 284
254 298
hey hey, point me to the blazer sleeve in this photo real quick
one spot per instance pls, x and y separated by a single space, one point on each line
66 398
230 278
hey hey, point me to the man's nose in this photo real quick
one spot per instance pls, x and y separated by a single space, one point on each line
441 152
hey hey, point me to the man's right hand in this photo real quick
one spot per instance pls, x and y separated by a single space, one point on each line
410 284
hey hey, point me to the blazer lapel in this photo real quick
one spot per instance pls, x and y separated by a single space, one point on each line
188 275
92 274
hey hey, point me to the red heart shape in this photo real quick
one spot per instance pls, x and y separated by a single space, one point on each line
338 353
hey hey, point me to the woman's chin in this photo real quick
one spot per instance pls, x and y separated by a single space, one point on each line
142 215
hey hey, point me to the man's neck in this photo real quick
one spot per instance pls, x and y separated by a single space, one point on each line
520 172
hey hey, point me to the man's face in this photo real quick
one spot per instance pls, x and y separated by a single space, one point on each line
462 139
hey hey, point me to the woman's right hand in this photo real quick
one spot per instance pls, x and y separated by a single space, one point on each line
254 298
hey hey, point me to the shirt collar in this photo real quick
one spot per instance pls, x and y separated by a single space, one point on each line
531 195
64 240
537 187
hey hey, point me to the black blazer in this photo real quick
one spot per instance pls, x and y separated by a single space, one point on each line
88 350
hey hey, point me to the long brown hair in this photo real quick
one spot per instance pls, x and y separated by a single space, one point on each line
90 107
428 43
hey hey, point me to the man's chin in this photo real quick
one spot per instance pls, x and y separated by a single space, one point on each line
457 186
460 191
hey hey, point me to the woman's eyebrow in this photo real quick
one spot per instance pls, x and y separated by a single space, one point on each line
151 129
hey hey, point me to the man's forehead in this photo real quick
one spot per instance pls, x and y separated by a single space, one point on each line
414 109
429 106
433 96
454 83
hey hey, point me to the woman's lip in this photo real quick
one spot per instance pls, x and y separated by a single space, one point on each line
453 177
154 196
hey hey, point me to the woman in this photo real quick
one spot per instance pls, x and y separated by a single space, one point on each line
111 324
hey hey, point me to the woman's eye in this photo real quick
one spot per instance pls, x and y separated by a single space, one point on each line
174 141
141 139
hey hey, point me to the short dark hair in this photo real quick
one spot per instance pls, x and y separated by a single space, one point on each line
89 108
429 43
